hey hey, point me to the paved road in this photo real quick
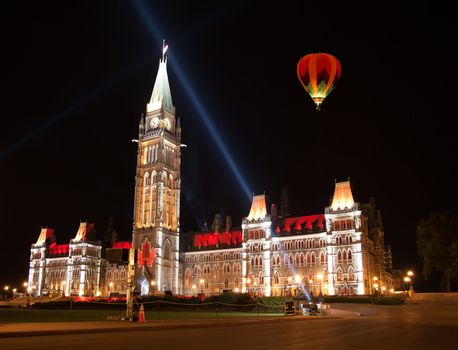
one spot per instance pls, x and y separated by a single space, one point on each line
429 322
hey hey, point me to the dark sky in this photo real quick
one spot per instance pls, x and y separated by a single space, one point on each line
78 75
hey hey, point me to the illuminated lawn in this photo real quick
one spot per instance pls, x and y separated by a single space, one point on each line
32 315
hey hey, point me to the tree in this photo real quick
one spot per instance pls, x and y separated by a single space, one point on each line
437 244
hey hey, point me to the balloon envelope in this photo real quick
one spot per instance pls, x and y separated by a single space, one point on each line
318 74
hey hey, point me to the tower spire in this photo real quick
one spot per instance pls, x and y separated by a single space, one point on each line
161 98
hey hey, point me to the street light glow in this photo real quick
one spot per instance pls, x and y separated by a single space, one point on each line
410 273
406 279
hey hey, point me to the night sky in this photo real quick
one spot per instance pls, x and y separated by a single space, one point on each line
77 76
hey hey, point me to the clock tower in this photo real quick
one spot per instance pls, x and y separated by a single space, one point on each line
156 225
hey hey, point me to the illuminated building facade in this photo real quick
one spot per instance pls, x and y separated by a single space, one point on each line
77 268
338 252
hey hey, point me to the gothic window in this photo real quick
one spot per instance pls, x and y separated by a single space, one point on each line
226 284
322 258
339 256
351 274
313 258
302 259
167 250
309 261
349 257
261 278
339 274
276 277
344 255
154 177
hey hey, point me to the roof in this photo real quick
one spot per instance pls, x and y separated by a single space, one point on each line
258 209
300 225
343 197
216 239
202 241
82 231
161 96
59 249
122 245
45 233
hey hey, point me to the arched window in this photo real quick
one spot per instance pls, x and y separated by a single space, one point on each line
146 179
298 260
309 261
322 258
351 274
339 256
187 278
349 256
276 277
167 250
260 261
261 278
344 255
339 274
313 258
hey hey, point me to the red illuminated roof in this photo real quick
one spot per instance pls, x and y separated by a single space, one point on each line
122 245
59 249
214 239
300 222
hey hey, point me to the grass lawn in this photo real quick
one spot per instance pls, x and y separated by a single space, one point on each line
33 315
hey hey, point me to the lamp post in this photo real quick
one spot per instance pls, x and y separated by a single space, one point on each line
375 284
193 289
153 286
26 289
310 286
410 275
320 278
202 285
62 286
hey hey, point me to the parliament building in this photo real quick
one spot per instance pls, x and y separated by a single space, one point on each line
340 251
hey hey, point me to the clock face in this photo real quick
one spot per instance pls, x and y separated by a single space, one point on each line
154 123
167 124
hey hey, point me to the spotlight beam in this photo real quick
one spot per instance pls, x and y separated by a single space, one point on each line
205 117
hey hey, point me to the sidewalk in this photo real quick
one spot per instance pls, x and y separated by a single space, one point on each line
59 328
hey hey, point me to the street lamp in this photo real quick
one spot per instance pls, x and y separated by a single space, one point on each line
201 284
375 284
153 285
6 288
320 278
62 285
410 273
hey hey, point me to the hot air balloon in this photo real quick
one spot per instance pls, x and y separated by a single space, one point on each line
318 74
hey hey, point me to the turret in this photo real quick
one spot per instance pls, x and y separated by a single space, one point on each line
141 126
